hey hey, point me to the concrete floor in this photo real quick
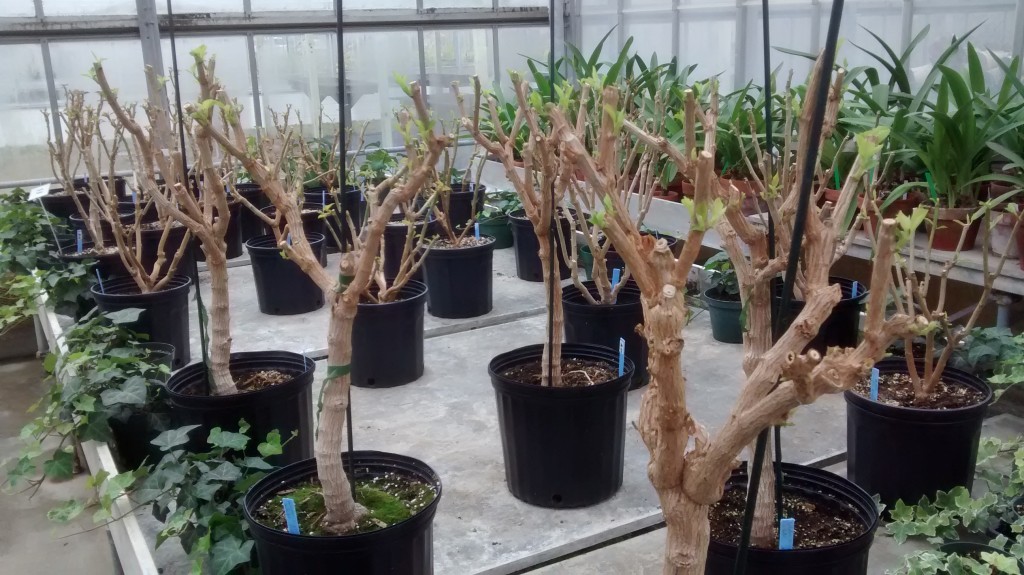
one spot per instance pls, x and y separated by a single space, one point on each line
29 543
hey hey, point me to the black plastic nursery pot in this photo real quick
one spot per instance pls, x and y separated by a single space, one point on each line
61 205
251 225
109 265
528 264
151 247
350 201
282 288
459 280
133 434
286 407
465 201
849 558
905 452
842 327
310 217
613 260
563 446
77 223
498 228
164 316
970 549
406 548
726 315
395 234
232 237
387 340
148 215
605 324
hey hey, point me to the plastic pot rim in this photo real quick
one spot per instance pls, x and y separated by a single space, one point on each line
533 352
922 415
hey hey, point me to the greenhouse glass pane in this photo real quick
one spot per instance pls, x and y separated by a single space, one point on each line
232 69
457 3
515 45
456 56
81 8
298 72
11 8
709 41
23 97
199 6
280 5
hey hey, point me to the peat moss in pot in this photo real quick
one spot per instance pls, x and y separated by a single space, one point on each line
563 446
164 317
459 279
282 288
908 452
605 324
285 405
387 339
838 510
404 548
528 264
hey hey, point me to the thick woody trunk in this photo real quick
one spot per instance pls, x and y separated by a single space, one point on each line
342 512
762 533
688 533
220 324
553 348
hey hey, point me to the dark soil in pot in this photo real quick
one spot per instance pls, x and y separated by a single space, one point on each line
902 452
251 225
403 547
395 234
108 259
528 264
842 327
605 324
165 316
835 525
459 279
232 237
60 204
563 446
726 313
498 228
277 394
282 288
387 340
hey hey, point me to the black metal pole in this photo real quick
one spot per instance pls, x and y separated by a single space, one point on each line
820 97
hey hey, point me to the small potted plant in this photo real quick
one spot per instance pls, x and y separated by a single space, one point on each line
722 298
498 204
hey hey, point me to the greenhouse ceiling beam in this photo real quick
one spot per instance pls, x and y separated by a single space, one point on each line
56 27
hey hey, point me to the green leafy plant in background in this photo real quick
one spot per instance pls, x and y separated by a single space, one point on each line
377 165
103 375
499 203
741 120
987 348
723 278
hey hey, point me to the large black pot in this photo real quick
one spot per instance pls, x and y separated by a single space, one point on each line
164 315
149 213
232 236
459 280
175 237
310 216
528 264
387 340
842 327
135 429
465 201
282 288
78 224
905 452
348 204
63 205
251 224
563 446
109 265
402 549
605 324
395 234
286 407
850 558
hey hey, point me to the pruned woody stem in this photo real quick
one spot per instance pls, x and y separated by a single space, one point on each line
351 282
779 376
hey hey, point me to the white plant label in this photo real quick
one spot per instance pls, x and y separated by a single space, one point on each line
38 192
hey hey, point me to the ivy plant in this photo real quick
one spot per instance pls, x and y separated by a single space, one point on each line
499 203
723 280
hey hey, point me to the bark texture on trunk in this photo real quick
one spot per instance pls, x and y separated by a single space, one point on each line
553 352
220 323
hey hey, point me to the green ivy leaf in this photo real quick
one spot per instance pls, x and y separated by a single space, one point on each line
66 511
228 439
226 471
132 392
172 438
272 446
124 316
61 467
229 553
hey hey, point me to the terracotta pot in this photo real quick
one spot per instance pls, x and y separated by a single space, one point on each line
951 222
900 206
686 189
752 202
667 195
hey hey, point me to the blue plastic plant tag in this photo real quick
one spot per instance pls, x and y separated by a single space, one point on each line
289 239
78 240
100 280
290 516
323 198
476 230
787 526
622 356
874 384
855 289
616 273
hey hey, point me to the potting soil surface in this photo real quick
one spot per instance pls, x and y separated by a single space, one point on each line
575 372
898 389
820 521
